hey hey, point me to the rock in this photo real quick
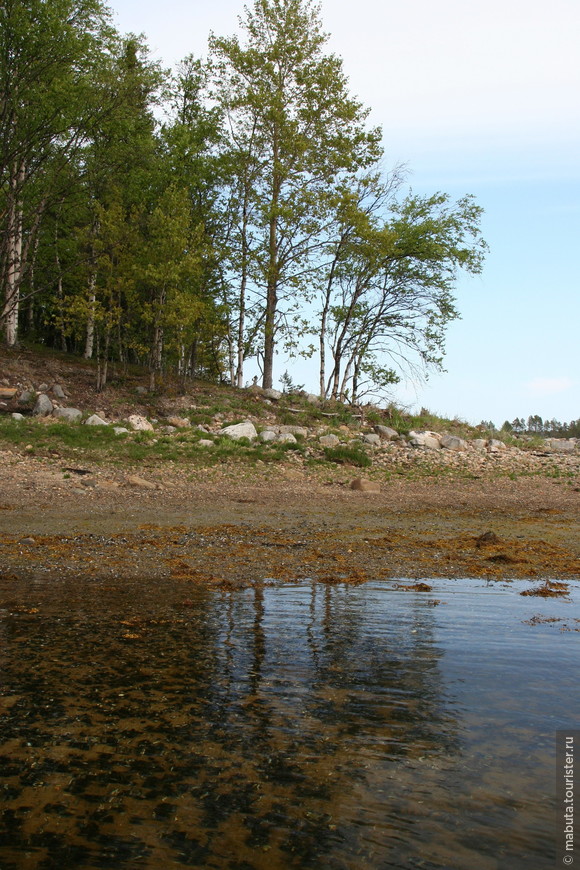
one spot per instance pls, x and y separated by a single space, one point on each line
17 416
268 435
43 388
495 446
240 430
386 433
362 484
72 415
299 431
7 392
134 480
58 391
140 424
179 422
95 420
25 397
561 445
205 442
427 440
43 406
141 391
286 438
330 440
29 542
120 430
487 539
372 438
275 395
452 442
479 443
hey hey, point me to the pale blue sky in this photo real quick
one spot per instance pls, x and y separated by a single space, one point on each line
474 98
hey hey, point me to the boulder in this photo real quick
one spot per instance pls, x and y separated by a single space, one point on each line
495 446
43 406
71 415
372 438
453 442
275 395
140 424
25 397
312 399
7 392
362 484
561 445
386 433
286 438
240 430
329 440
300 431
17 416
268 435
58 391
95 420
205 442
120 430
479 443
427 440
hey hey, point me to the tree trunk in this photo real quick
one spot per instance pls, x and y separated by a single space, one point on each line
273 269
14 256
90 333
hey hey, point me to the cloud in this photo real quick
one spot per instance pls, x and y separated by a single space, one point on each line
549 386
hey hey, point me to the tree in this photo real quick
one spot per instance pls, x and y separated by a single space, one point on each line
388 295
49 53
296 132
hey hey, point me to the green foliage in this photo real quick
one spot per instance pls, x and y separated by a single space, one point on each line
346 455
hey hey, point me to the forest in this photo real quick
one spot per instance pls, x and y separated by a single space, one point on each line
234 209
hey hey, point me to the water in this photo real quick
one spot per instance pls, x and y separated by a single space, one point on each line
160 725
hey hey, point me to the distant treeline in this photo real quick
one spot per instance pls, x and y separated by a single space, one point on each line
229 210
534 425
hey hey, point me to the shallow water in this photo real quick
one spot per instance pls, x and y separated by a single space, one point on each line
161 725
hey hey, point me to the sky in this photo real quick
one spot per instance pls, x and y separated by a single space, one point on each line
479 98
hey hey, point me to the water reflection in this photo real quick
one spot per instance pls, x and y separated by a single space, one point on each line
280 726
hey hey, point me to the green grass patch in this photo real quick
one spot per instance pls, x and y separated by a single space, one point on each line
345 455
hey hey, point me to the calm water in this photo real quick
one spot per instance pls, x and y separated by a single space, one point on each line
164 726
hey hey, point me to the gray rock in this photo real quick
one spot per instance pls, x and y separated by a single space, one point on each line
479 443
495 446
17 416
58 391
372 438
561 445
386 433
205 442
43 406
268 435
300 431
329 440
427 440
240 430
286 438
275 395
140 424
141 391
452 442
43 388
120 430
72 415
25 397
95 420
312 399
